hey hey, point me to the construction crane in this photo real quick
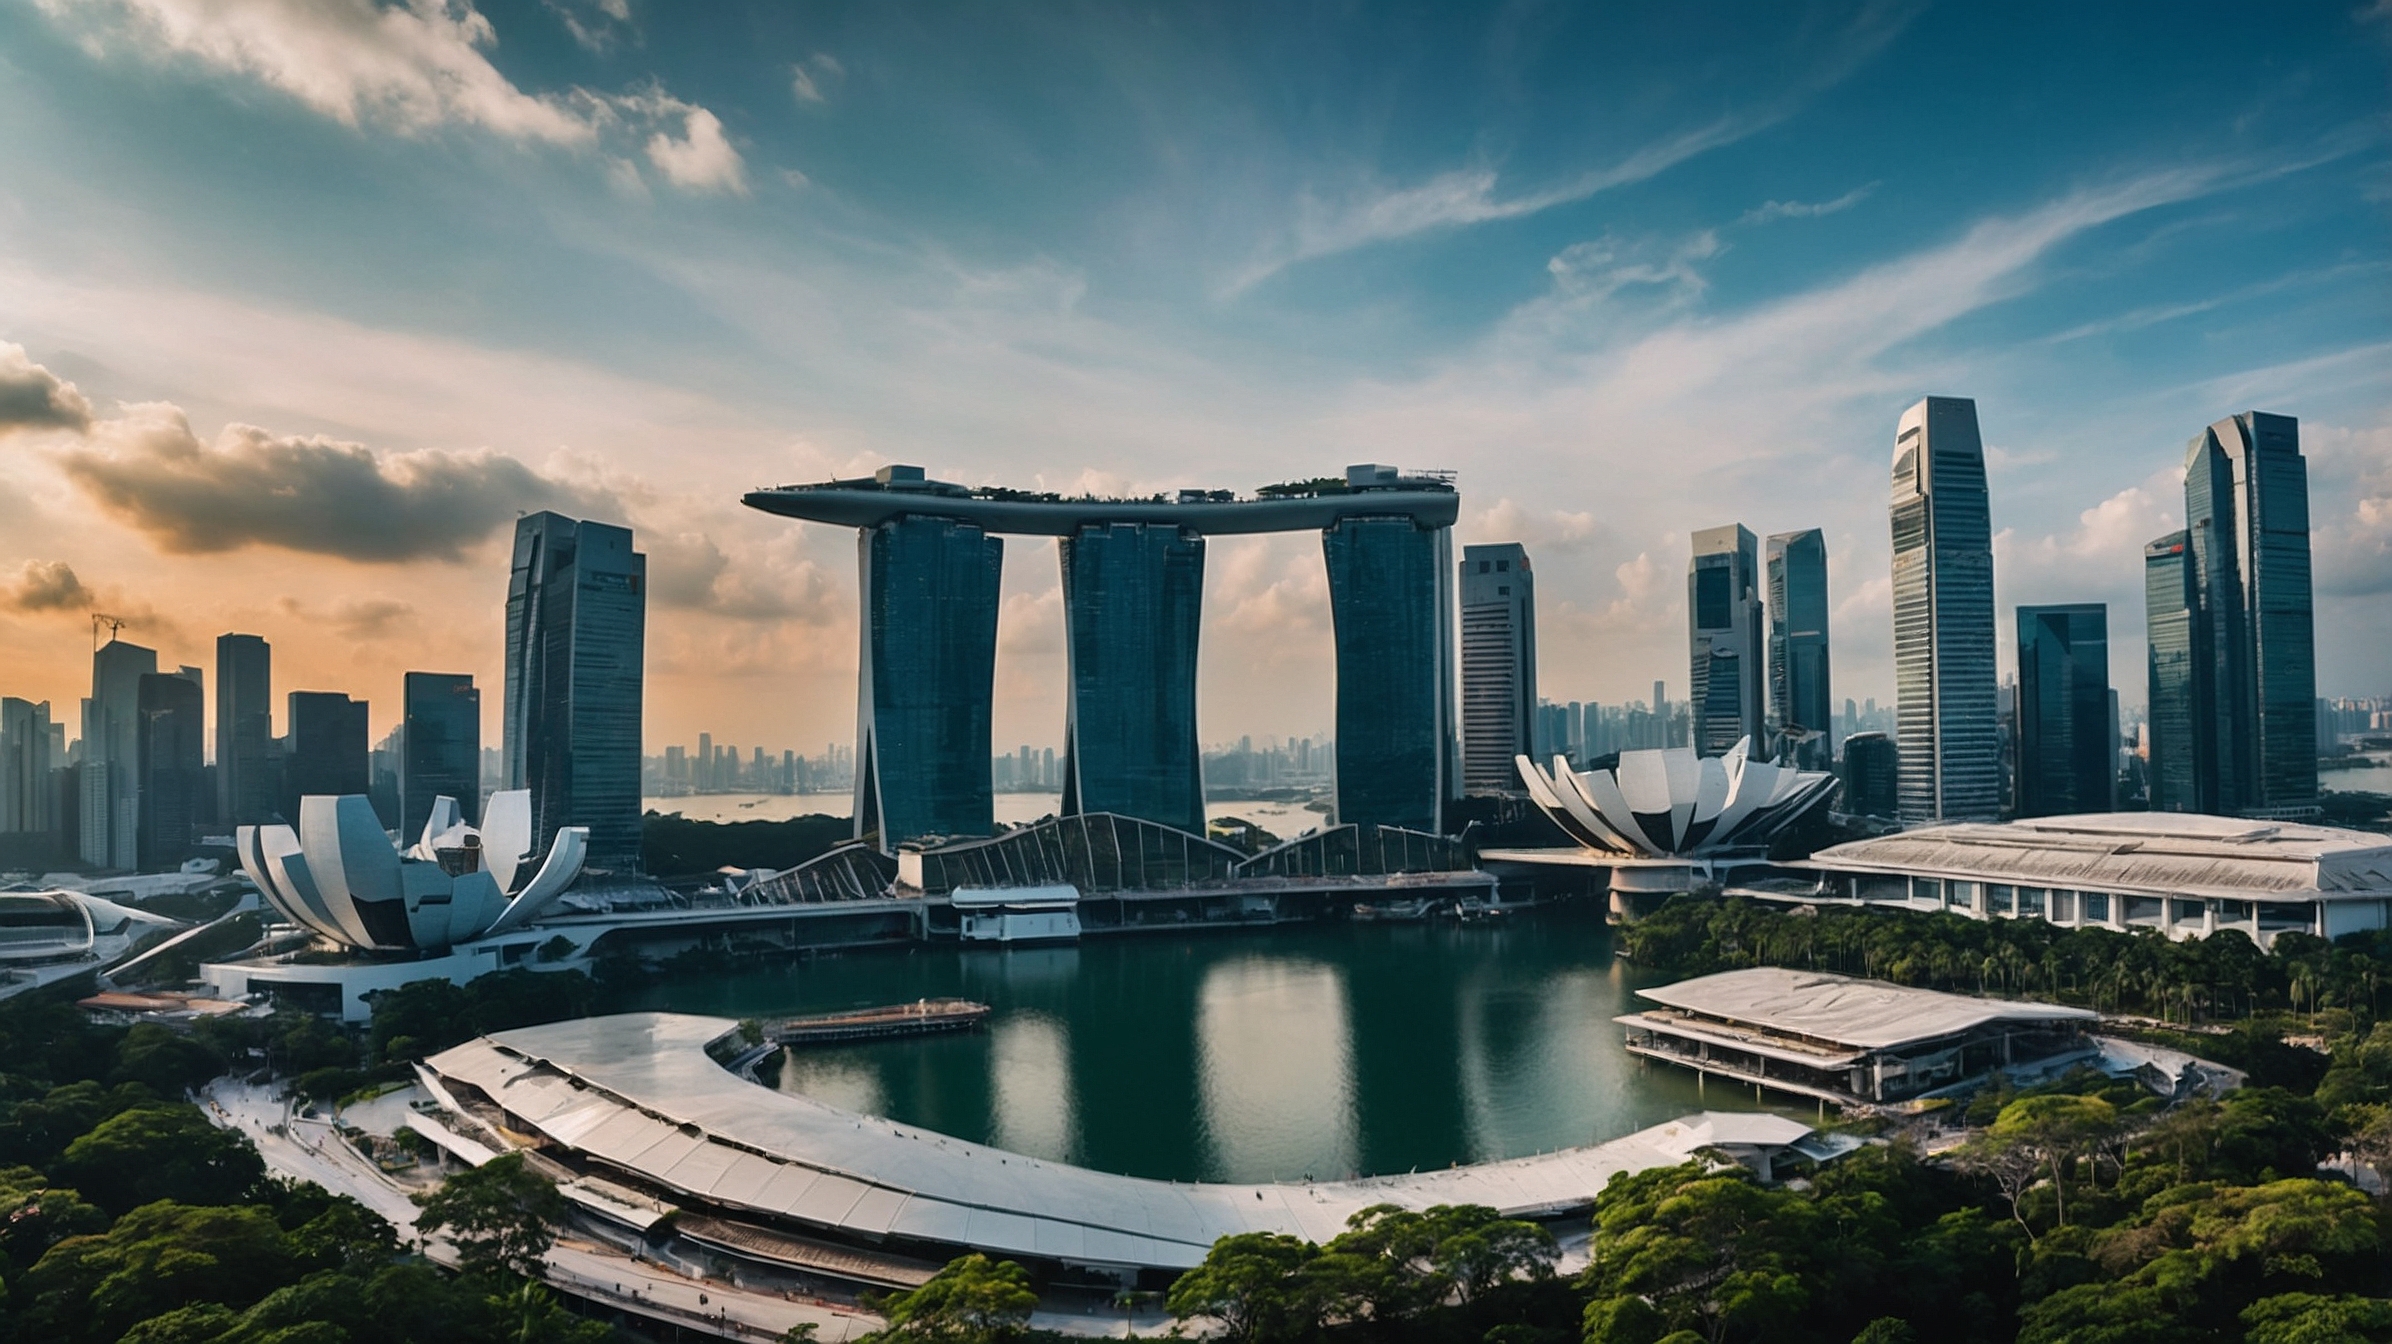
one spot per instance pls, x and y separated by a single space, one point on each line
114 624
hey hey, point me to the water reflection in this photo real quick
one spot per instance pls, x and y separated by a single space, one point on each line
1247 1055
1278 1074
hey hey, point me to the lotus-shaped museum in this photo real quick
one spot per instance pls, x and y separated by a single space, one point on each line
339 875
1673 804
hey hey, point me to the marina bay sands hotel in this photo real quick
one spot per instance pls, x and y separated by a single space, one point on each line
930 554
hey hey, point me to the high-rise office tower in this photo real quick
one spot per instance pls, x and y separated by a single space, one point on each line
1391 600
2172 620
1800 700
247 791
2246 508
2065 760
1133 605
1872 775
25 762
928 669
440 747
169 765
577 621
1499 666
111 784
326 750
1948 732
1723 604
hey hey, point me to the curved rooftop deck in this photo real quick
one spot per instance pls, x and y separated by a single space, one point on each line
639 1092
898 492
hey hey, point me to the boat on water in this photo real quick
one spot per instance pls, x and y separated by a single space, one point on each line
922 1017
1410 910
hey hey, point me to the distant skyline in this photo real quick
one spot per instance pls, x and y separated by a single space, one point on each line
301 306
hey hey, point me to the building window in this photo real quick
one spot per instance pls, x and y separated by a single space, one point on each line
1928 889
2287 917
1999 899
2097 907
2031 902
2187 913
2063 907
1503 566
1485 565
2143 911
1963 895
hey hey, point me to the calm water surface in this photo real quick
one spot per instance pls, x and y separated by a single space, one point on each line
1246 1055
1285 820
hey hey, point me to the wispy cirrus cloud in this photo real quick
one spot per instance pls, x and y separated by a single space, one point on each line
1769 211
413 68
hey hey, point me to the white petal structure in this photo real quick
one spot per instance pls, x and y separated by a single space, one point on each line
339 876
1675 804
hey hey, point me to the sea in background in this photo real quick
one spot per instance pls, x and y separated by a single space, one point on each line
2374 777
1256 1054
1283 819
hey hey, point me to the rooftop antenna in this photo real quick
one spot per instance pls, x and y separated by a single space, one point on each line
114 624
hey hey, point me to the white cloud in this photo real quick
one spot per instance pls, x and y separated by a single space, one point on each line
811 78
1769 211
414 68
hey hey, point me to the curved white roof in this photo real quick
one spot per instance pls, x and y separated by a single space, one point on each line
2159 853
1863 1014
639 1091
1673 803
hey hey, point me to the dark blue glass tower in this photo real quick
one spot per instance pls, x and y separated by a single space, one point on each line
325 751
1391 600
929 666
2065 764
246 786
1947 718
1133 604
2246 506
2172 619
1800 700
171 774
440 748
577 620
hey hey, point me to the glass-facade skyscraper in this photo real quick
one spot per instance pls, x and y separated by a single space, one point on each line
170 765
326 750
2066 760
2171 620
1391 601
1133 606
1946 721
440 748
577 604
1725 673
246 787
2246 506
1801 702
929 665
1499 667
110 805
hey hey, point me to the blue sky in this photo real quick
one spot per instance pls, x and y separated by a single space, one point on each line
340 286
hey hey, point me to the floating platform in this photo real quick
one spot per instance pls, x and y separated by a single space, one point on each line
922 1017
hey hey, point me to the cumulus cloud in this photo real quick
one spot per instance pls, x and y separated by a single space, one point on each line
309 494
597 25
32 397
49 585
691 571
412 67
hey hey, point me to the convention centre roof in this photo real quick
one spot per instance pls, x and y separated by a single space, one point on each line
639 1092
2158 853
1367 490
1839 1010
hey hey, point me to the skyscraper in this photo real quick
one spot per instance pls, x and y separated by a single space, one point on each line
1949 737
1499 667
1133 605
25 763
2065 761
1800 700
326 749
246 787
2246 508
1872 769
1723 605
169 771
928 668
2172 620
440 747
577 604
1391 601
111 784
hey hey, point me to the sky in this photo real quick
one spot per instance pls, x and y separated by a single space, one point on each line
303 301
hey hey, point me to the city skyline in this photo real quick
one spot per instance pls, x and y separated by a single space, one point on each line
1622 310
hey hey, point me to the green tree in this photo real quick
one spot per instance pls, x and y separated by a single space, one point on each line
157 1152
1410 1259
34 1216
974 1300
2307 1318
169 1063
156 1259
501 1216
1713 1252
2059 1131
1257 1285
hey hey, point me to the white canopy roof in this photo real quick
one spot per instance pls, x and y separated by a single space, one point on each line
1864 1014
2161 853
